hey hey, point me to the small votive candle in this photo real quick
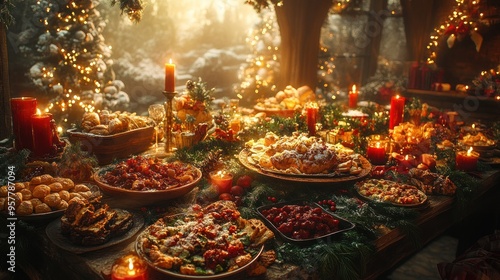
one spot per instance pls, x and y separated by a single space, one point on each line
353 97
222 181
467 160
377 149
129 267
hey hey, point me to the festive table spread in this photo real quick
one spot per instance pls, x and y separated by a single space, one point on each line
273 197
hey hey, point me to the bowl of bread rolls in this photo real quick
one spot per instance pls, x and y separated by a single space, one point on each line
113 135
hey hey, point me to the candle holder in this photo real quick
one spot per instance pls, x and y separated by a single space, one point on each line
169 117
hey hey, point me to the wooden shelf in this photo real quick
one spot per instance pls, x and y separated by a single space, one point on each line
466 105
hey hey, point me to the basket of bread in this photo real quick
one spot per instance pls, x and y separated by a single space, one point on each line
113 135
286 102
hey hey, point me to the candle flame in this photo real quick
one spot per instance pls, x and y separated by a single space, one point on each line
406 157
377 144
130 264
38 111
469 151
473 126
170 61
397 96
353 88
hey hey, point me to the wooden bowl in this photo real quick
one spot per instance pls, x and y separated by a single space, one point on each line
107 148
145 197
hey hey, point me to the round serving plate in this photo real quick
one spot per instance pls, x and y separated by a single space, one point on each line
145 197
366 166
233 274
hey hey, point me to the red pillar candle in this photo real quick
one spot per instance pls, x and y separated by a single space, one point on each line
42 134
170 77
312 116
466 160
222 181
22 110
353 97
397 111
129 267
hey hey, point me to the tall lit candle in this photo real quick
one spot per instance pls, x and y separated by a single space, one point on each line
397 111
22 110
312 116
353 97
170 76
467 160
42 134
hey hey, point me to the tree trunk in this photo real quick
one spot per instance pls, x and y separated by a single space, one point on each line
300 25
5 115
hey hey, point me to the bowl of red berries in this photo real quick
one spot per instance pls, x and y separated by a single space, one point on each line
303 221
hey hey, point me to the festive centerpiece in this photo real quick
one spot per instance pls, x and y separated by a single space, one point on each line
192 113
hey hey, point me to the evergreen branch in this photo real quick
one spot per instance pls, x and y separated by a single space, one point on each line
133 8
6 17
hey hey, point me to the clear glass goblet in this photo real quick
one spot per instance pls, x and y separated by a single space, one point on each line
157 113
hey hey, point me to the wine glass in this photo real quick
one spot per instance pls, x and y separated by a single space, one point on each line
157 113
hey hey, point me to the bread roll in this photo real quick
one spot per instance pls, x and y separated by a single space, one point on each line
42 208
56 187
81 188
24 208
41 191
52 200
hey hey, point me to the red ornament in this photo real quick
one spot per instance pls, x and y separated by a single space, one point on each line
451 29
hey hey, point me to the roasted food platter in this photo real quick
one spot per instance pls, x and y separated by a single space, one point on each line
203 235
55 235
114 180
299 157
335 177
390 192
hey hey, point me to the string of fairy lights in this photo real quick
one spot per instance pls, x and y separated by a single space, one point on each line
464 20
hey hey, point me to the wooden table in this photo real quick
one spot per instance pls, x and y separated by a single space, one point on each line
392 247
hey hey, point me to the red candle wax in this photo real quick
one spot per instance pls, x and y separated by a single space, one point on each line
170 77
353 97
312 115
397 111
376 154
129 267
22 110
222 181
42 134
466 160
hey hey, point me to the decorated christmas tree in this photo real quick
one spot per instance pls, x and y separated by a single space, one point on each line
259 74
72 62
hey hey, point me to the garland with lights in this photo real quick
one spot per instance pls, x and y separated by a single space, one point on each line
466 19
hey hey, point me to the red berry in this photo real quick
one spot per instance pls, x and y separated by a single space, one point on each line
244 181
237 190
226 196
